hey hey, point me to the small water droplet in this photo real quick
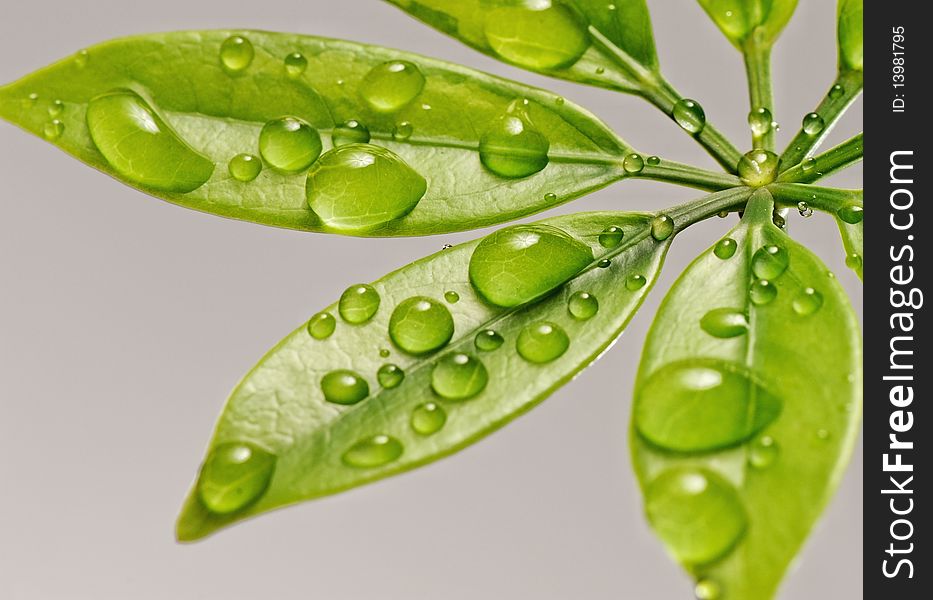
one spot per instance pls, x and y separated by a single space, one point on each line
762 292
654 161
808 164
550 197
778 219
600 70
690 116
321 326
851 214
295 64
402 131
775 126
236 53
559 101
770 261
458 376
758 167
633 164
813 124
542 342
722 214
488 340
358 303
512 146
582 305
724 323
56 108
234 476
804 209
350 132
807 302
854 261
725 248
707 589
288 144
759 121
391 86
836 91
822 434
420 325
344 387
81 58
605 263
390 376
384 352
763 452
372 452
451 296
662 226
244 167
428 418
635 282
53 129
30 101
611 236
540 35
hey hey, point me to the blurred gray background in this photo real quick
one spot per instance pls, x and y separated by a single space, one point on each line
125 321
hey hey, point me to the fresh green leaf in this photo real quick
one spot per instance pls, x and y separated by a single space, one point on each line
850 35
435 368
549 36
185 115
739 19
747 406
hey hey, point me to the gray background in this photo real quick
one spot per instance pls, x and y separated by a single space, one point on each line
124 323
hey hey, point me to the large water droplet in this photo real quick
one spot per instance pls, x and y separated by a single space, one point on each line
234 476
813 124
763 452
402 131
770 261
420 325
295 64
582 305
488 340
321 326
539 34
390 376
344 387
289 144
758 167
611 236
635 282
524 262
696 513
633 164
358 303
725 248
662 226
141 147
759 121
458 376
512 147
359 186
350 132
428 418
724 323
236 53
836 91
245 167
542 342
702 404
690 116
807 302
389 87
762 292
372 452
851 214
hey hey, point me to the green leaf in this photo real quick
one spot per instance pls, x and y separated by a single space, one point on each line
432 401
739 19
747 406
549 36
168 113
850 35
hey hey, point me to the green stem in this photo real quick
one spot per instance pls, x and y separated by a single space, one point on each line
843 92
835 159
758 69
660 93
829 200
681 174
708 206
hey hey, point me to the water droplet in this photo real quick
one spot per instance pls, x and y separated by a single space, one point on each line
428 418
391 86
512 147
808 302
722 214
550 197
321 326
451 296
358 303
759 121
822 434
611 236
654 160
582 305
81 58
521 263
295 64
836 91
758 167
770 261
600 70
141 147
244 167
53 129
350 132
359 186
763 452
538 35
707 589
420 325
851 214
234 476
30 101
702 404
604 263
236 53
289 144
344 387
390 376
775 126
635 282
762 292
804 209
696 513
690 116
808 164
725 248
633 164
384 352
542 342
488 340
662 226
724 323
854 261
813 124
778 219
458 376
402 131
372 452
56 108
425 107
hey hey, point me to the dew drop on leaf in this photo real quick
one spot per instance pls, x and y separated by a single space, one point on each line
451 296
635 282
372 452
542 342
662 226
808 164
763 452
244 167
384 352
236 53
512 147
358 303
81 58
604 263
762 292
770 261
402 131
428 418
707 589
289 145
654 161
391 86
758 167
458 376
836 91
321 326
234 476
344 387
420 325
582 306
544 34
488 340
851 214
633 164
725 248
813 124
53 129
550 197
854 261
390 376
56 108
611 236
804 210
724 323
295 64
690 116
350 132
759 121
807 302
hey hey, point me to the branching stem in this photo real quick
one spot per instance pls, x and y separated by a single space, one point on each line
835 159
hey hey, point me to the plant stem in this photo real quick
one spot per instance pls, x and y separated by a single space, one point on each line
681 174
660 93
835 159
822 198
833 105
758 71
708 206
